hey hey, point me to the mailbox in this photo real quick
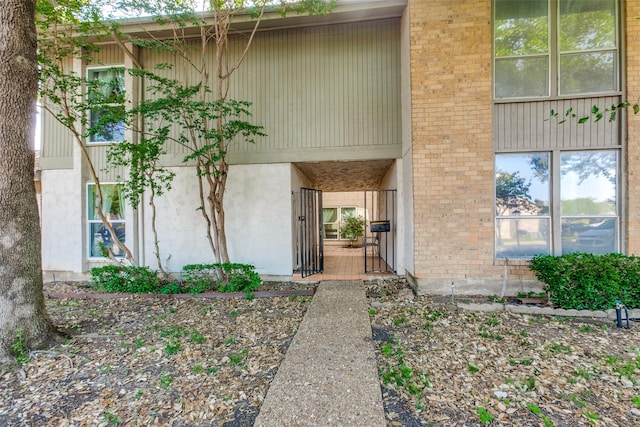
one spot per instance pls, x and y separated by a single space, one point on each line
380 226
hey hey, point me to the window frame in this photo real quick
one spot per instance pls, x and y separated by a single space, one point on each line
556 216
554 55
338 221
88 73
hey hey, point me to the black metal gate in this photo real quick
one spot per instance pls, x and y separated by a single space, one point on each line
380 231
310 235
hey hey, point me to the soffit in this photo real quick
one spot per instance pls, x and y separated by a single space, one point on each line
345 176
345 11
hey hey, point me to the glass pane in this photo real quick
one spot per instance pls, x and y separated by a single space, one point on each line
113 203
591 72
100 238
106 125
521 27
329 215
331 231
590 234
106 85
522 237
522 184
522 77
348 212
587 24
588 183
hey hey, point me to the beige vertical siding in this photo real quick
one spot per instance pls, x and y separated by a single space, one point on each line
108 55
56 150
329 86
57 142
529 125
333 86
106 173
313 87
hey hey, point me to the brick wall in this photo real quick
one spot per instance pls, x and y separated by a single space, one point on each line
632 14
451 48
451 78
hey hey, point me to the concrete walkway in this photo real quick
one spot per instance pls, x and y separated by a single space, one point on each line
329 375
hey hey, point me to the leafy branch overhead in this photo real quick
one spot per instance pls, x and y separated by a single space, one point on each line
596 114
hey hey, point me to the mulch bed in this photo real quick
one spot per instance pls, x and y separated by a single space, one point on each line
192 361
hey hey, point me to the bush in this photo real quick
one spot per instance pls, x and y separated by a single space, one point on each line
197 278
226 277
127 279
352 227
587 281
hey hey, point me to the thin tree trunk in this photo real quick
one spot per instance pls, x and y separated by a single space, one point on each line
21 296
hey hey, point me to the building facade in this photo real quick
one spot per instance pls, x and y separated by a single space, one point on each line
446 103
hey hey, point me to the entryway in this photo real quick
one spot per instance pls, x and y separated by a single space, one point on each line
323 251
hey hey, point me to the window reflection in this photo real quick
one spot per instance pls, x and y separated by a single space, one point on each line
522 205
588 190
522 184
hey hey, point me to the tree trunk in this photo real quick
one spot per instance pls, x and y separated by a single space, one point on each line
21 297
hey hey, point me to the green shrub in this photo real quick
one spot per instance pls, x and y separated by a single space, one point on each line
197 278
587 281
226 277
127 279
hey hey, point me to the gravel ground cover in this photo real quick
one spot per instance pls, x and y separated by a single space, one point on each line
441 366
198 362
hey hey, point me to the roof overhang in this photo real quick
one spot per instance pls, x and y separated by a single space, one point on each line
345 11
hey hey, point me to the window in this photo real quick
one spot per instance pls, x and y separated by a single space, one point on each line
113 206
523 223
332 220
555 47
588 218
105 89
588 201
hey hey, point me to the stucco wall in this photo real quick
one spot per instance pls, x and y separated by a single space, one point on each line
62 242
393 180
258 220
181 228
259 217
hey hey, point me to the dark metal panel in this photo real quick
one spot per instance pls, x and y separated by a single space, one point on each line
311 242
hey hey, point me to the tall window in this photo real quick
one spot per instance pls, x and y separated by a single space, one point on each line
105 93
555 47
588 201
113 206
586 192
523 222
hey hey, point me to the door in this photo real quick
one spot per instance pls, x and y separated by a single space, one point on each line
310 235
